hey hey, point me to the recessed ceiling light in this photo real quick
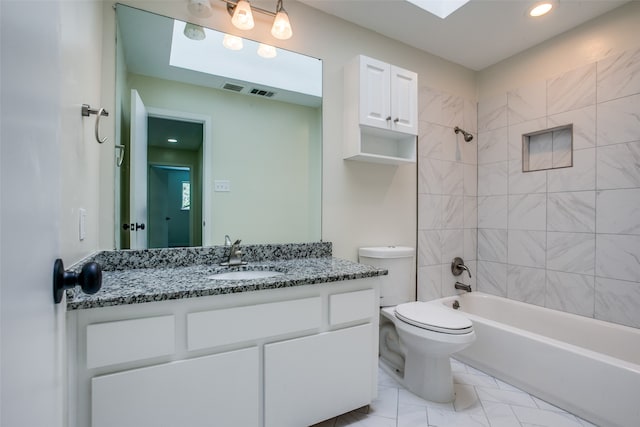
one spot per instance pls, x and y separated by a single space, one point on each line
172 140
540 9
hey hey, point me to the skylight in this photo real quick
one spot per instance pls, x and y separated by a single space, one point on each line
288 70
440 8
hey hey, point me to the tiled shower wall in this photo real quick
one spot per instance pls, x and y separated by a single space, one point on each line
567 239
447 196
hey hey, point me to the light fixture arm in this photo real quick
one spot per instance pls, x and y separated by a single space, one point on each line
231 7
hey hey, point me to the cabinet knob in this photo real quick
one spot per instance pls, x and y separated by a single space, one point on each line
388 118
396 120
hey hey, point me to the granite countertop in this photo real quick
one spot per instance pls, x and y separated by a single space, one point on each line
161 281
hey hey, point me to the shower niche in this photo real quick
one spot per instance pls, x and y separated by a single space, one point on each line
548 149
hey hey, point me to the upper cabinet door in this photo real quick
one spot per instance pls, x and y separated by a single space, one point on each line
375 89
404 100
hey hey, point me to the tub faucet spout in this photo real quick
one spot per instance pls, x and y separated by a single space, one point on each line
463 287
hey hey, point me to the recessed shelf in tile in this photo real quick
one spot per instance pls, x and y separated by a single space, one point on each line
548 149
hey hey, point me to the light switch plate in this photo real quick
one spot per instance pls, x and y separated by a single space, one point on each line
222 185
82 223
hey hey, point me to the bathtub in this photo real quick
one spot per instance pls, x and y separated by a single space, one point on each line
588 367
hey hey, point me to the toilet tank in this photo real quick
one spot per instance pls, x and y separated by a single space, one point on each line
399 285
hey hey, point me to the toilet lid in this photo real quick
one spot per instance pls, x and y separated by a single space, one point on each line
433 317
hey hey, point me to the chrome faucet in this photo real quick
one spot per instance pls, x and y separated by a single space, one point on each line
235 254
457 267
463 287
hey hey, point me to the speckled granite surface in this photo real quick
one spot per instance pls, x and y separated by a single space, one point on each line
132 277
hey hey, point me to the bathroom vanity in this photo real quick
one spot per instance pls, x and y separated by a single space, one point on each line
168 344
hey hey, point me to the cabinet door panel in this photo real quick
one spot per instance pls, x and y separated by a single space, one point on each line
375 84
404 100
218 390
109 343
204 328
308 380
352 306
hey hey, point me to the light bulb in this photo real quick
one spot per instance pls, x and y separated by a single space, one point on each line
540 9
199 8
281 27
242 17
267 51
232 42
194 32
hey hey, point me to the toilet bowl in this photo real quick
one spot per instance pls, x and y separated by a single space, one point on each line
416 338
428 335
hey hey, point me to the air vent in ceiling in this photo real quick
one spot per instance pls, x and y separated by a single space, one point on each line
232 87
262 92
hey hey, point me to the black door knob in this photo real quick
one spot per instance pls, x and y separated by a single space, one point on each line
89 279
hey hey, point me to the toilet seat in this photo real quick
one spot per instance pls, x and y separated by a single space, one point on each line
433 317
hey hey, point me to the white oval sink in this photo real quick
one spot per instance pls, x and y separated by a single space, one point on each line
245 275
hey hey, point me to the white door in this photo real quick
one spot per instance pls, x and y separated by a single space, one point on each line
158 225
374 93
138 172
31 325
404 100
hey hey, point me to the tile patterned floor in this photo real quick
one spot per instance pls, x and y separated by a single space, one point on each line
481 401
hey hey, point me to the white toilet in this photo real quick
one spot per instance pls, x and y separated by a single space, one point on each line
416 338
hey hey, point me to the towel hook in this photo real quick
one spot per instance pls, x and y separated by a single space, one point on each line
87 111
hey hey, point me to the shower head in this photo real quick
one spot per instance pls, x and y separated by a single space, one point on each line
467 136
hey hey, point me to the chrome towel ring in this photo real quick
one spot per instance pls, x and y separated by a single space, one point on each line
87 111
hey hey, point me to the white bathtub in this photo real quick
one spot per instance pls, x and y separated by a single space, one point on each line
588 367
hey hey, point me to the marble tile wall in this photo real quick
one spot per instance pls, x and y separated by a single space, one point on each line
567 239
447 192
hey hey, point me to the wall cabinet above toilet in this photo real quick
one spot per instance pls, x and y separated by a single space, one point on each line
381 112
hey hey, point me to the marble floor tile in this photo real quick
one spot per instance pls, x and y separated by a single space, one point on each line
481 401
545 418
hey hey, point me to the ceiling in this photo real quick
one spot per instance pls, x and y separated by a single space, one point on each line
188 134
141 30
478 35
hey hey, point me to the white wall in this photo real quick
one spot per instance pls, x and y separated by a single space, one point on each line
568 239
363 204
268 150
81 57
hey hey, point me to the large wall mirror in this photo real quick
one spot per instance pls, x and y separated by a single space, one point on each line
219 137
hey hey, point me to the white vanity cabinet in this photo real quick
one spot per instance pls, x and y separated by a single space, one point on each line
282 357
381 112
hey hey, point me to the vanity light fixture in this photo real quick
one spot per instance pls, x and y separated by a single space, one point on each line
267 51
199 8
194 32
281 28
540 9
242 17
232 42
